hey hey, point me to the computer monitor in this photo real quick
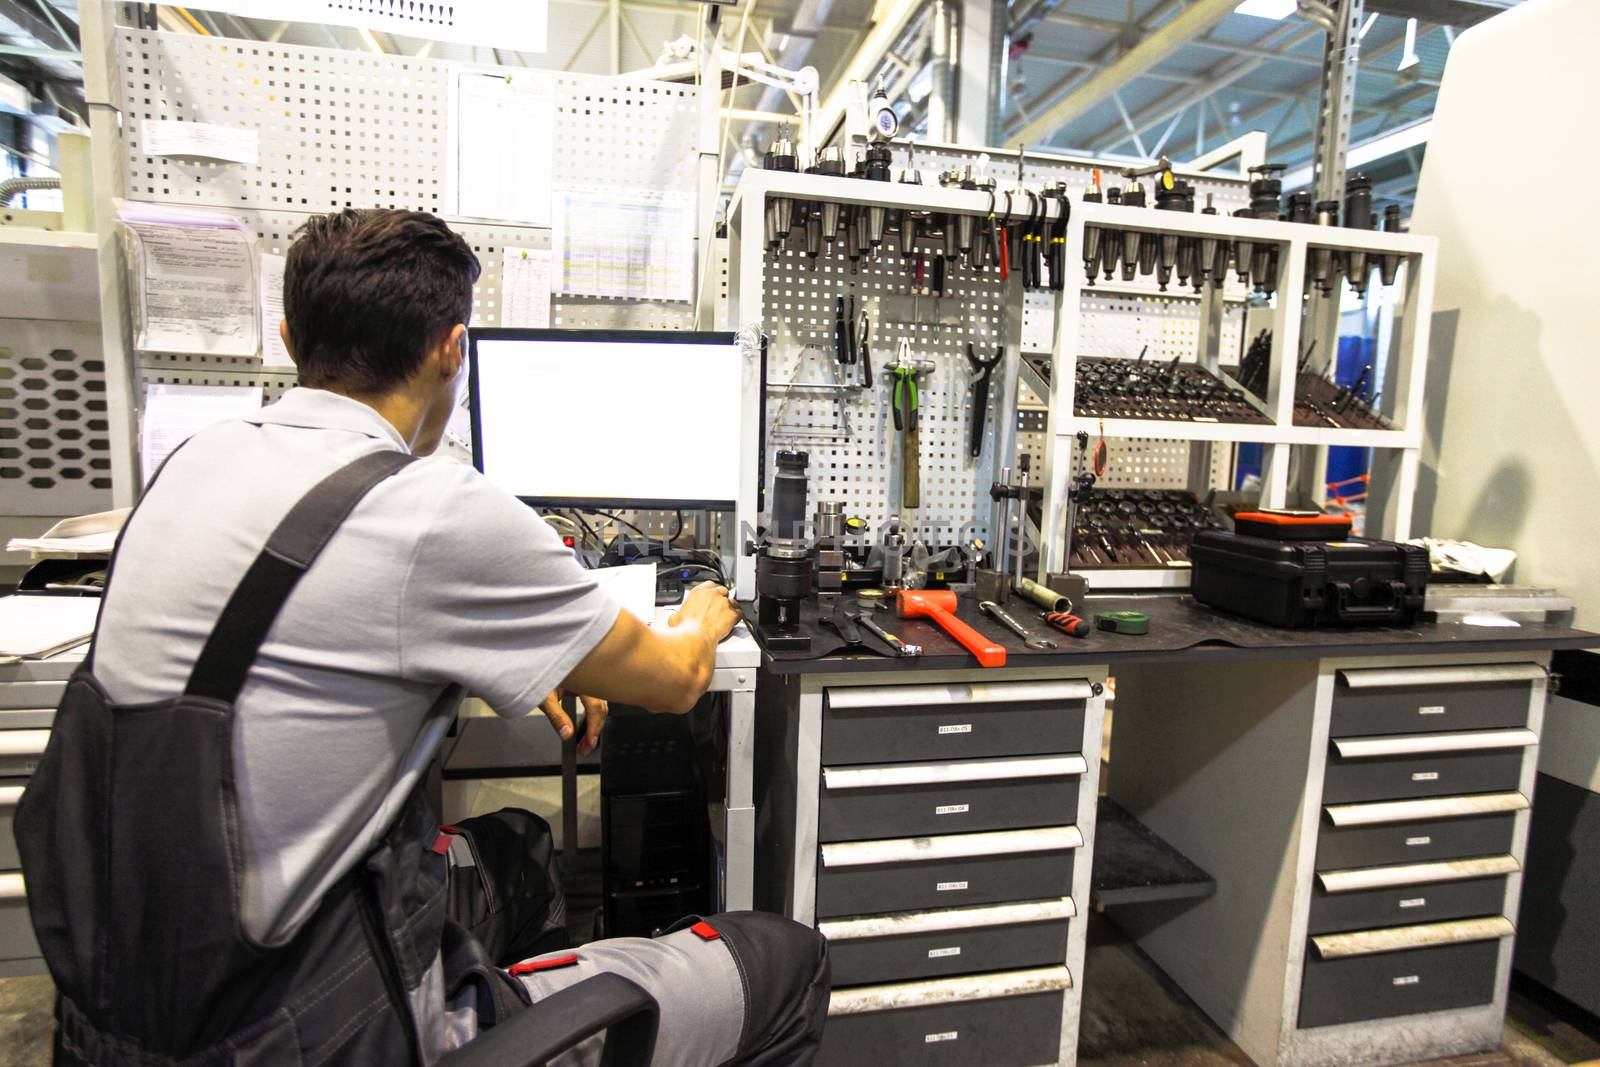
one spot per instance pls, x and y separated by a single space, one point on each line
608 418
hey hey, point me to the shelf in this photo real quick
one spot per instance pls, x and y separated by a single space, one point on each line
1175 429
14 236
1134 866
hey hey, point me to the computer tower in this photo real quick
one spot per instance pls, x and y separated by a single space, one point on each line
656 858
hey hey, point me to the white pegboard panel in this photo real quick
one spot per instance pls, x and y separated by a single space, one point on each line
1227 193
849 435
337 129
1119 324
55 451
1129 312
354 129
624 135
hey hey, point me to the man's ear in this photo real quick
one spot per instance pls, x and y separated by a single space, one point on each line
453 352
283 332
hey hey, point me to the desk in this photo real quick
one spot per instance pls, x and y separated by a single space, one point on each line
1232 746
733 820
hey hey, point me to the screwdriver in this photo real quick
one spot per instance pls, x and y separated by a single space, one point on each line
1071 625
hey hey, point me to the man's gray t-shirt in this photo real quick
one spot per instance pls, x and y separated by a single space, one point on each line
437 580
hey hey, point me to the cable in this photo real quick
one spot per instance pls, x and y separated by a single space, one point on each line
679 531
618 519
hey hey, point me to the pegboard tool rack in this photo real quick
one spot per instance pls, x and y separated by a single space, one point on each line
750 302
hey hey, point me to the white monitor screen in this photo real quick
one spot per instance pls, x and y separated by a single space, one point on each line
608 419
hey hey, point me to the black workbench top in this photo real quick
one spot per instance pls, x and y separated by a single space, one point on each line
1180 629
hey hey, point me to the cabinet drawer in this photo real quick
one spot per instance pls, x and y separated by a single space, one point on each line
912 799
31 695
932 944
917 723
20 751
949 1022
27 718
918 873
1394 700
16 932
1428 775
1376 846
1406 981
1333 913
10 793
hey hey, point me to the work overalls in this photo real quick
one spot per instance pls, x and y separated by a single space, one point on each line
131 844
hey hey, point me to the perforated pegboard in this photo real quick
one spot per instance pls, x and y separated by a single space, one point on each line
854 449
1118 317
1118 324
55 456
1227 193
354 129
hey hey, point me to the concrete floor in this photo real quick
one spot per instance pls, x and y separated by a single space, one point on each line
1132 1017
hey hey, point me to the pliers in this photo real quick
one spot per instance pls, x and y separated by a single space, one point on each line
983 370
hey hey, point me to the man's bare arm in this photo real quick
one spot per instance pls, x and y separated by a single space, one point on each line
666 669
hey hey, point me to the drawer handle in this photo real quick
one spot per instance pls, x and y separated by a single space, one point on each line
11 887
1422 744
927 922
865 999
1392 811
1353 881
23 742
951 846
1397 938
1401 677
923 696
988 770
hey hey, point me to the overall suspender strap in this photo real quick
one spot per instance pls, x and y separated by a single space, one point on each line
220 671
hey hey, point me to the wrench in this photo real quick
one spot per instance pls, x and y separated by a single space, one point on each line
1004 618
890 639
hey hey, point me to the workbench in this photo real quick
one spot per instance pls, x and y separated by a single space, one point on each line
1348 811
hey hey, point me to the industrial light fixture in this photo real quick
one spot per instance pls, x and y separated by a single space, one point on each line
1277 10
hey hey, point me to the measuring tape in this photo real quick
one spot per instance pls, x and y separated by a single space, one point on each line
1123 622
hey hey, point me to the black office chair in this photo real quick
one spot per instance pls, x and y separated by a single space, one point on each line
607 1002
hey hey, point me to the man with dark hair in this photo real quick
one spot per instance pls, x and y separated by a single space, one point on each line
229 853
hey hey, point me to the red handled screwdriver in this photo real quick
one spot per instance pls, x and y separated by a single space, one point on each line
1071 625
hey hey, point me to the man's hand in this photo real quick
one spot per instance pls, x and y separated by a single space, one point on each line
709 609
595 712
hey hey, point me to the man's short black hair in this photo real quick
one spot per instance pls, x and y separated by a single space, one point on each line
366 293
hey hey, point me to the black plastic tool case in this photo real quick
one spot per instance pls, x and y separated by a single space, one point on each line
1355 582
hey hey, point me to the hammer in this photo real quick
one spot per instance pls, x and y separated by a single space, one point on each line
940 605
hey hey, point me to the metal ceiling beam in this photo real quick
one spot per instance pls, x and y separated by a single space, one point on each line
60 33
1108 53
1155 46
1307 90
1219 77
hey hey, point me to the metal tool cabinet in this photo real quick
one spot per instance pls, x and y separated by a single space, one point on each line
1365 820
29 693
938 828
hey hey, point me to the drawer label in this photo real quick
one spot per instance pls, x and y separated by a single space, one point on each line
952 809
1408 979
1431 709
956 728
941 953
947 887
1415 902
1413 841
1425 776
947 1035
